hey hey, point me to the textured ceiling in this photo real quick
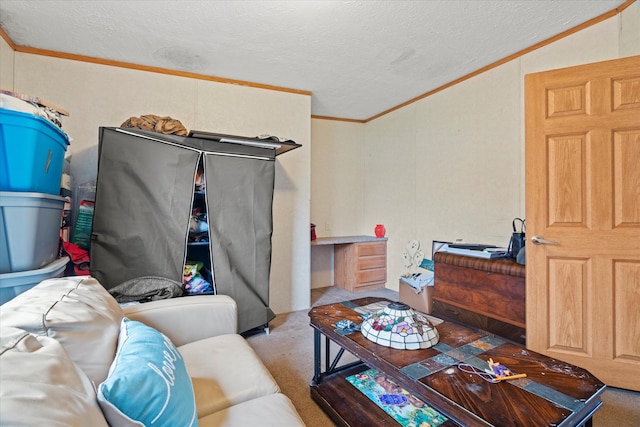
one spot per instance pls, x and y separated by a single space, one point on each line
358 58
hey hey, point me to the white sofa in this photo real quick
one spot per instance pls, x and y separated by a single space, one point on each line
61 339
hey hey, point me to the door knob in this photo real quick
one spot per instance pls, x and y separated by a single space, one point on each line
539 240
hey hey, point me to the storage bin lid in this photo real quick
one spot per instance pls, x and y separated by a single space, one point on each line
18 118
34 276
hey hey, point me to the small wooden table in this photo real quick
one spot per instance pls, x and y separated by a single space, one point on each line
553 393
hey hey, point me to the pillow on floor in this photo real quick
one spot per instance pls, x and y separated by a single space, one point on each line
148 383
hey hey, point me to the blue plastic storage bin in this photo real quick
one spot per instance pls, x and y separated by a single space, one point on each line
13 284
31 153
29 230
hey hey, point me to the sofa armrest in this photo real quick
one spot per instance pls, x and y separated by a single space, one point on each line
188 319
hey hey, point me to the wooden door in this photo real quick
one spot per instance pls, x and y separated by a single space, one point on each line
583 193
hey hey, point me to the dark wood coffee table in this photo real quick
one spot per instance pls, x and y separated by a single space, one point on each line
553 393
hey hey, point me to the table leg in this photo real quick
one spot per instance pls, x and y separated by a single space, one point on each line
329 366
316 358
327 353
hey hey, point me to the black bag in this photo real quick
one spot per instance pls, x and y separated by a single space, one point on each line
516 244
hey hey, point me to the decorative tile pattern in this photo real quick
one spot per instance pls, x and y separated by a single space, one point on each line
450 356
350 304
445 360
467 353
416 371
488 342
477 363
471 350
554 396
431 365
442 347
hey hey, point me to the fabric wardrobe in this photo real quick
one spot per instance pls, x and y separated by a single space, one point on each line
144 200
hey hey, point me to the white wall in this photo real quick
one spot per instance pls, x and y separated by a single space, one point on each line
630 31
450 166
338 167
455 162
6 65
99 95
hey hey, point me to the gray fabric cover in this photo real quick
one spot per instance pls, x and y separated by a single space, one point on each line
148 288
238 190
144 197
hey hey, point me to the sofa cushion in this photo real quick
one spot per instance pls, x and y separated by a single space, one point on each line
225 371
78 312
41 385
274 410
148 381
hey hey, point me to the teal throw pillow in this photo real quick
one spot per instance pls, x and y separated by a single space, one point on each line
148 383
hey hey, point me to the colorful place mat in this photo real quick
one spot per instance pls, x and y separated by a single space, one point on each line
401 405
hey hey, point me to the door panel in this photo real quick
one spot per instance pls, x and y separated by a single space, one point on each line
568 304
583 192
627 177
627 302
567 197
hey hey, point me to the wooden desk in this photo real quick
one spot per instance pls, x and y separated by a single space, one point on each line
360 262
553 393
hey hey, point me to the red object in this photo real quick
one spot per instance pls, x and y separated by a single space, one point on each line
380 230
313 232
79 258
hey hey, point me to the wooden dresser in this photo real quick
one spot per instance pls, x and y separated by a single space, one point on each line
485 293
359 262
361 266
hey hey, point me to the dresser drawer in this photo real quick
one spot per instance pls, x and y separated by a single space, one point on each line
374 248
367 263
366 277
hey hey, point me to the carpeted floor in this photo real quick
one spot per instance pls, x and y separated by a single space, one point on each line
288 353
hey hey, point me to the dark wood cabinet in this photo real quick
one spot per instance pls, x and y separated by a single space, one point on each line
485 293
